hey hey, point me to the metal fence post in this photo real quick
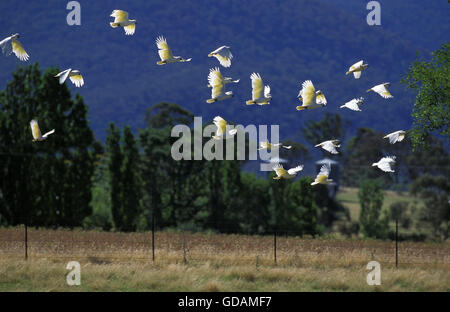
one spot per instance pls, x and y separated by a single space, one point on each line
153 236
396 243
275 246
26 242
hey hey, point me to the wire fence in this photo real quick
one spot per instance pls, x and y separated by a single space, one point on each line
278 248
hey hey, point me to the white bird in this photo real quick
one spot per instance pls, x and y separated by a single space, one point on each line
121 20
221 128
322 176
216 80
357 68
330 146
258 97
396 136
37 132
267 145
74 76
310 97
382 90
223 55
11 44
286 174
354 104
166 54
225 79
385 163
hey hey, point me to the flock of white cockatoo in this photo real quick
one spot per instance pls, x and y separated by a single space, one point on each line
309 97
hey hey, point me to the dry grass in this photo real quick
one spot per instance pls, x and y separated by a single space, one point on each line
214 262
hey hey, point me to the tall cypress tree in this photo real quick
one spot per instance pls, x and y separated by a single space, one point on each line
115 160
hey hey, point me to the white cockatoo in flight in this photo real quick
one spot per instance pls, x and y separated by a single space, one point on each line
216 80
121 20
310 97
74 76
223 55
11 44
166 54
357 68
286 174
354 104
396 136
322 176
385 163
258 96
37 136
329 146
221 129
382 90
267 145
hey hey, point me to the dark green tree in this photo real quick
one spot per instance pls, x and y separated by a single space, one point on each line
131 185
435 191
55 174
431 82
115 162
373 224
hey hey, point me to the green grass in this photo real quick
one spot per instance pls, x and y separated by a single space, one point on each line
348 197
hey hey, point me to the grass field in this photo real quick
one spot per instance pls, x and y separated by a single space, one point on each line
348 196
214 262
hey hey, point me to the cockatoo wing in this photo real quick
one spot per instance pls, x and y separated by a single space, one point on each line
48 133
308 92
215 77
164 51
18 50
385 166
224 56
35 129
329 146
6 46
130 29
279 170
63 75
325 170
393 137
382 90
217 90
77 79
295 170
120 16
221 125
355 66
353 105
320 99
357 74
266 91
257 86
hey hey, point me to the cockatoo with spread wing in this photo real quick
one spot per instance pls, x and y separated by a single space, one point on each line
267 145
216 80
223 55
310 97
258 97
221 129
322 176
74 76
356 69
382 90
354 104
37 132
11 44
396 136
166 54
225 79
286 174
121 20
330 146
385 163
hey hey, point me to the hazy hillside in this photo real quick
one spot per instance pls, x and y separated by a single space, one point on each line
287 42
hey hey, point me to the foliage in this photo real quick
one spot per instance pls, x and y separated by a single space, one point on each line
371 200
44 183
431 81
